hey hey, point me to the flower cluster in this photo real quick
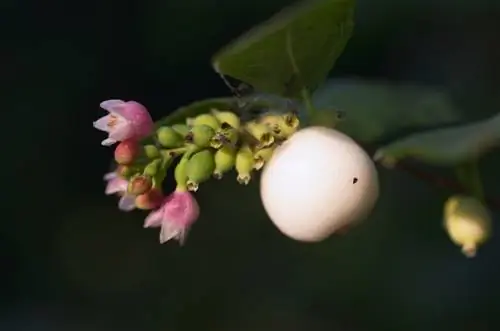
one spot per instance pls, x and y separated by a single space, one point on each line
208 145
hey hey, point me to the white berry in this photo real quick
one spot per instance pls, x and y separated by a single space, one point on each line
318 181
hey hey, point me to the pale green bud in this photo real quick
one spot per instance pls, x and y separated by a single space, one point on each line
226 135
227 117
181 129
262 156
244 165
225 159
261 132
200 135
169 138
205 119
468 223
151 151
152 168
199 169
281 125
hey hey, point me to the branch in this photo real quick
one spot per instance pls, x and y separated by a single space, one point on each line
441 182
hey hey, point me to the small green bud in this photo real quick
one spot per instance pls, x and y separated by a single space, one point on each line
225 159
205 119
152 168
261 132
181 129
151 151
227 117
169 138
139 184
226 135
199 169
262 156
244 165
200 135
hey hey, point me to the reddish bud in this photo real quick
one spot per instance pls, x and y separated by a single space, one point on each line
127 151
149 200
139 184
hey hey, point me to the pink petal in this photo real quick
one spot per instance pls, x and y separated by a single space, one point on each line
111 105
116 185
127 202
170 231
121 132
139 118
102 123
110 175
108 142
154 219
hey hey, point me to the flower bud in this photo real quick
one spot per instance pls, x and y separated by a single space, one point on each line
152 168
262 156
244 165
205 119
200 135
169 138
151 151
181 129
125 171
226 135
282 126
149 200
227 117
199 169
467 222
126 151
225 159
260 132
139 184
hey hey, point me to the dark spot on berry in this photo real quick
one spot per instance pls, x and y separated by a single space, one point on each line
355 180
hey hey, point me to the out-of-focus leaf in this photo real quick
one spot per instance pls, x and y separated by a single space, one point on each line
294 49
375 110
445 147
246 107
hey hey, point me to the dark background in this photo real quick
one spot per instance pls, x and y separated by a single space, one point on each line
71 261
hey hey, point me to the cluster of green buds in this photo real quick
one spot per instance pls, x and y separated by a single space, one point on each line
214 143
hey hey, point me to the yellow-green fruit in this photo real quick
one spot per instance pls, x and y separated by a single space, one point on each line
467 222
244 165
206 119
261 132
225 158
262 156
169 138
200 135
227 117
181 129
199 169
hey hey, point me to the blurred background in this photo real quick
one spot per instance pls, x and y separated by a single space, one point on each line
71 261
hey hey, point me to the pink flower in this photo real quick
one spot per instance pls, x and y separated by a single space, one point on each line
126 120
175 216
118 185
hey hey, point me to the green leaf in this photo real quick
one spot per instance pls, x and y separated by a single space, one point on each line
445 147
376 110
292 51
